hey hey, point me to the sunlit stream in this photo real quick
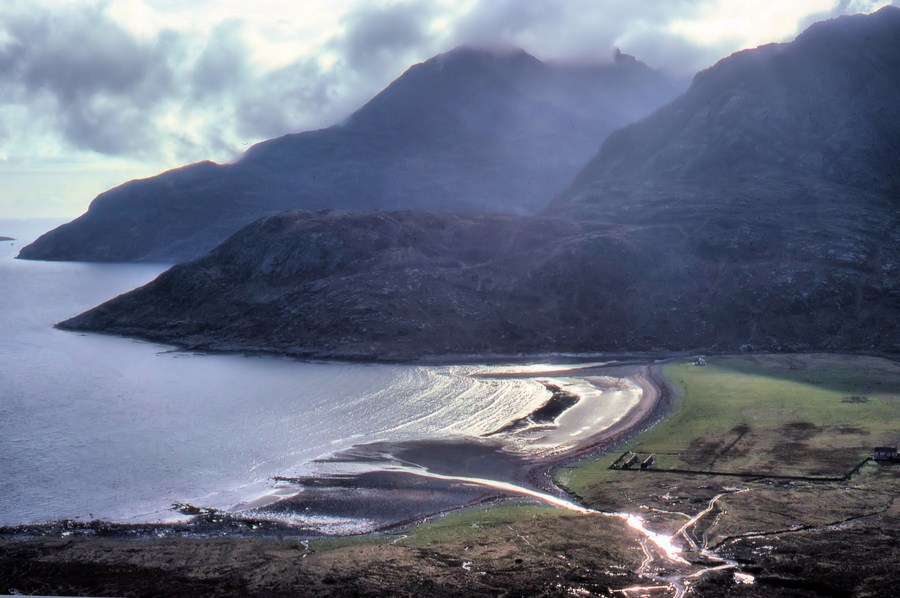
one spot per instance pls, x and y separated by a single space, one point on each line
665 552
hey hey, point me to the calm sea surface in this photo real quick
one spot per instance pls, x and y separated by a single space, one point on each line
95 426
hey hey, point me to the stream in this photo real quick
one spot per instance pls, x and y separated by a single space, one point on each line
661 551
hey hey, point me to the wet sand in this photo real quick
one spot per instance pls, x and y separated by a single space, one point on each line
378 487
384 485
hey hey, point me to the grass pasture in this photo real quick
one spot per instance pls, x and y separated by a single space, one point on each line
778 415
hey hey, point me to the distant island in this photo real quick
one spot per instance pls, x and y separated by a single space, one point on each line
7 239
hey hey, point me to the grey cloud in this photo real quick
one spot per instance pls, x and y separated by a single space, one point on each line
580 29
84 78
301 92
376 33
80 75
95 125
843 7
101 79
590 29
673 53
79 57
222 66
376 45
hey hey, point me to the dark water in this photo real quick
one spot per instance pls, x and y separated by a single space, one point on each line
94 426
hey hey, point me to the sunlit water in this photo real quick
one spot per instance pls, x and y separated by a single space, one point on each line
95 426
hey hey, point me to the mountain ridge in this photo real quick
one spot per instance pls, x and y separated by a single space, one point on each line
773 249
740 121
466 130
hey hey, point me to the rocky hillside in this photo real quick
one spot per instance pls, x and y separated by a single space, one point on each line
809 122
385 285
402 285
774 183
718 223
466 130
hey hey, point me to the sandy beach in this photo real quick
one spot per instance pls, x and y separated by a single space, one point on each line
376 488
380 486
385 485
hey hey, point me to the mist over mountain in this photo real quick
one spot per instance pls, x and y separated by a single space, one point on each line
806 121
758 211
467 130
772 187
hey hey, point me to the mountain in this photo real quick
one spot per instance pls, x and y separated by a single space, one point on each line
771 188
466 130
723 221
388 285
809 122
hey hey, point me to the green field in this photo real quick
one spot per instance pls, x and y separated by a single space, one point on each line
804 415
455 526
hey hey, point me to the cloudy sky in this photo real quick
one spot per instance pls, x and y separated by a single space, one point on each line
96 92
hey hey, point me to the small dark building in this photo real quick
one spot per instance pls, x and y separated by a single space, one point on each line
630 461
648 462
885 453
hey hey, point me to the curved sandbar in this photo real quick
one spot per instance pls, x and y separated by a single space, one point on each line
656 398
597 385
381 485
382 481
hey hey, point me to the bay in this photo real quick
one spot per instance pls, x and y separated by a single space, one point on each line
95 426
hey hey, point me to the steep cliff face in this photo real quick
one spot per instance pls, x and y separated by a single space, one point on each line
466 130
726 220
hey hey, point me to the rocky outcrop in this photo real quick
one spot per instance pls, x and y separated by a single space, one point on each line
466 130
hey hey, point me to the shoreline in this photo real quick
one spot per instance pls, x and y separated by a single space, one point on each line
388 357
206 347
385 492
656 402
526 548
489 459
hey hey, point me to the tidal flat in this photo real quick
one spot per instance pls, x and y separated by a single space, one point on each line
752 511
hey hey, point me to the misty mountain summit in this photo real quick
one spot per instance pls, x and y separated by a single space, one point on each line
759 210
767 195
466 130
809 121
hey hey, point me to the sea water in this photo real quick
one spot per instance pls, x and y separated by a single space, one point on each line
96 426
